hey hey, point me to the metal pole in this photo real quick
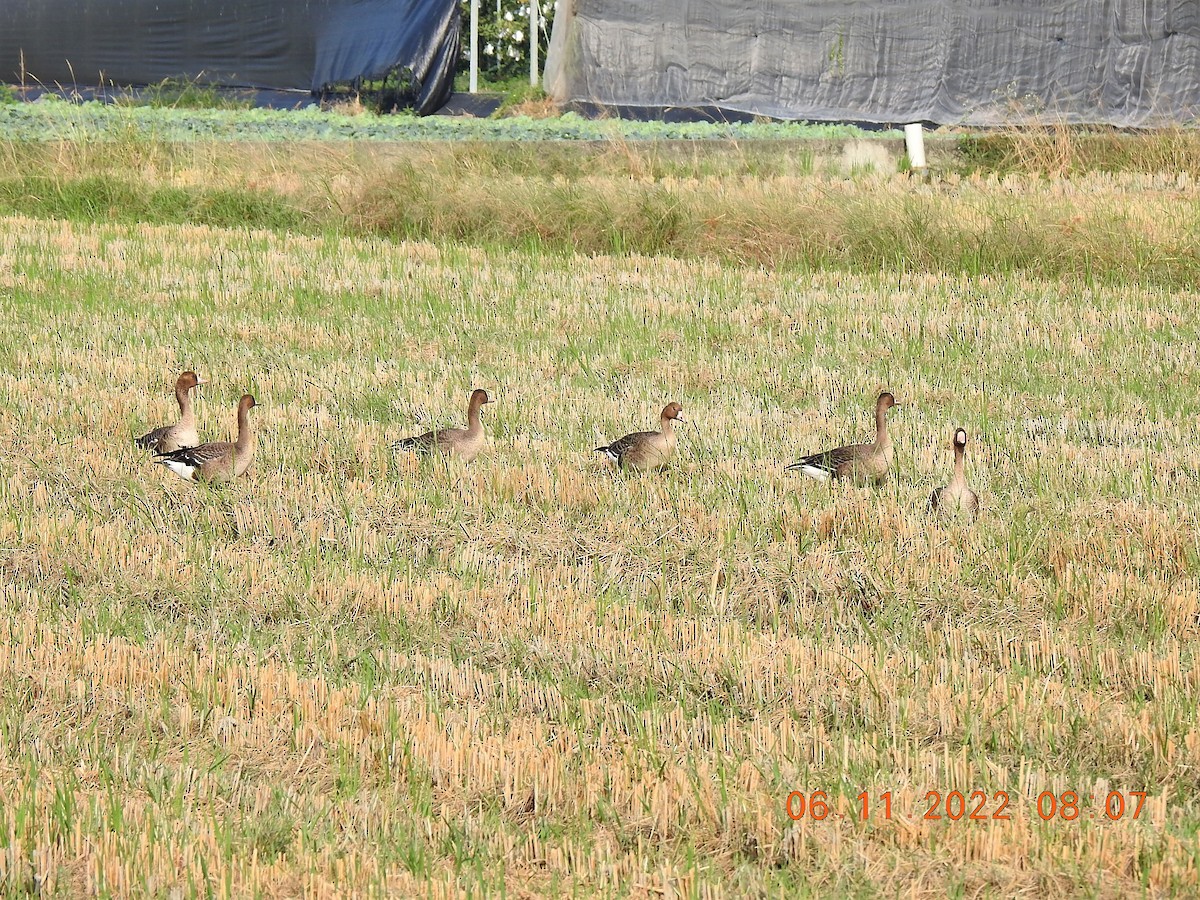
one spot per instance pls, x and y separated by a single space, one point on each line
533 42
474 46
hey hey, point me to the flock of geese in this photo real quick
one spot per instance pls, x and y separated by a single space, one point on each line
178 448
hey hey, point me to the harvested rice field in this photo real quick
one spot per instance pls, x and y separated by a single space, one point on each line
355 672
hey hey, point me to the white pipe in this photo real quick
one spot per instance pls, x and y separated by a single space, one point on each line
474 46
533 42
914 143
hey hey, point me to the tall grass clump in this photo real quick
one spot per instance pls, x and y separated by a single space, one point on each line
93 180
555 214
185 93
106 198
976 224
774 207
1059 150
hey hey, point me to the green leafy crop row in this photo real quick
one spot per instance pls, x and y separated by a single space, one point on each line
60 120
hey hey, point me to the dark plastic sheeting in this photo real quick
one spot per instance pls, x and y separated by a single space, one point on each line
252 43
979 62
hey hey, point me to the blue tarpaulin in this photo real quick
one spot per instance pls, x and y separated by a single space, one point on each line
308 45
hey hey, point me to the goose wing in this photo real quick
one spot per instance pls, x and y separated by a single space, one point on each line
826 464
621 446
421 443
443 439
196 457
151 440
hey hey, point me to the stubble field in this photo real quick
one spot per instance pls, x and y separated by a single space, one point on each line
356 673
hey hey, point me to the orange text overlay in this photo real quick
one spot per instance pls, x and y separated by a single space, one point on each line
973 806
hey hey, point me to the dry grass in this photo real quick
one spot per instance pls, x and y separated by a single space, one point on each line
1061 149
535 107
351 674
350 105
776 207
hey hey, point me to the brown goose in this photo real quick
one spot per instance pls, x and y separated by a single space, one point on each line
864 463
182 433
646 450
956 496
219 460
465 443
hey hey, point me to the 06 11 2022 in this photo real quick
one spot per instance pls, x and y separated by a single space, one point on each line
969 806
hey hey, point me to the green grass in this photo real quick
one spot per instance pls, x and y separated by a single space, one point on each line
100 198
518 84
532 675
637 670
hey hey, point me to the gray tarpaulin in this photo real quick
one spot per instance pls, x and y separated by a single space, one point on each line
305 44
1123 62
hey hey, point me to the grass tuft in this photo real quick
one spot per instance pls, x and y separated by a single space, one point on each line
186 93
1058 150
111 199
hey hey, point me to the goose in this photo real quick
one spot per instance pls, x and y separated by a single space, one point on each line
956 496
863 463
646 450
167 438
218 460
465 443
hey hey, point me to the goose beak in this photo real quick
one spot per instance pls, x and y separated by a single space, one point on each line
680 418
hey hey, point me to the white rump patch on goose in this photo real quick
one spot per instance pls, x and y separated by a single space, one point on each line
182 469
